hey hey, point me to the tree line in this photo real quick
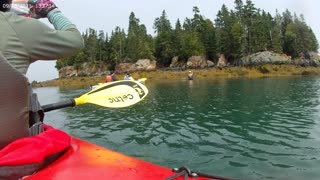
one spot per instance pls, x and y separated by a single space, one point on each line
235 33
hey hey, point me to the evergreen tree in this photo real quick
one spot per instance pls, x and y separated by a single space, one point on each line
117 42
206 31
224 26
261 30
91 46
237 38
239 9
276 35
177 38
239 31
138 42
208 37
249 14
164 48
290 40
314 45
191 44
235 34
133 37
101 55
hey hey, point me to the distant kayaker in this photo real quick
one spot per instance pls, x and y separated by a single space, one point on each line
23 41
190 75
128 77
111 77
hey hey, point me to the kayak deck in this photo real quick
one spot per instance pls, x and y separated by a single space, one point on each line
84 160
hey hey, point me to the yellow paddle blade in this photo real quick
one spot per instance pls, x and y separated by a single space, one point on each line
142 80
115 94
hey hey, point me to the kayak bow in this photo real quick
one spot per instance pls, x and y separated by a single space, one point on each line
86 161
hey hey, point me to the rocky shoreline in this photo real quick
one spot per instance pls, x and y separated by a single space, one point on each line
312 59
213 73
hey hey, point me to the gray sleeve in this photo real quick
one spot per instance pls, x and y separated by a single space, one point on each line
44 43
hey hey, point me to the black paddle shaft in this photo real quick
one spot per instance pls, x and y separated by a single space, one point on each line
59 105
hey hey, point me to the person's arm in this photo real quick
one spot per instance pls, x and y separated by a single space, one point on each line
43 43
114 78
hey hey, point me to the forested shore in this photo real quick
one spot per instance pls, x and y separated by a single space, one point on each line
209 74
234 33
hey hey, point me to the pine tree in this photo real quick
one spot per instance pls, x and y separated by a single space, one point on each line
138 43
249 13
208 37
164 48
117 41
235 34
224 26
191 44
313 45
239 9
91 45
276 35
177 38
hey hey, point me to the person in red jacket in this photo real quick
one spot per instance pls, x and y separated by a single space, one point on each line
111 77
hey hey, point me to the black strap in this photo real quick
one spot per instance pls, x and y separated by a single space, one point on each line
188 173
36 113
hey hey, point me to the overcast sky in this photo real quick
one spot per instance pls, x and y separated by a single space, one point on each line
106 15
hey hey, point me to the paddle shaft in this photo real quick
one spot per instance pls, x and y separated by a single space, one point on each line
59 105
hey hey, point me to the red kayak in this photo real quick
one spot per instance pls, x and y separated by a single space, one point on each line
84 160
54 155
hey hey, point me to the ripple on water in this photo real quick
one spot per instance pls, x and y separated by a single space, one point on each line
246 128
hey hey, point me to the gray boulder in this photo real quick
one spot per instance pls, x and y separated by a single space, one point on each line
197 62
145 65
309 59
140 65
210 63
68 71
222 62
174 62
125 67
265 57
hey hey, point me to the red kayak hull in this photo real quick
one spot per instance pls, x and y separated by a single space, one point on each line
87 161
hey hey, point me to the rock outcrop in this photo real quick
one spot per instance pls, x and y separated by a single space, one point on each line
175 62
265 57
145 65
210 63
194 62
311 59
222 62
68 71
197 62
83 71
140 65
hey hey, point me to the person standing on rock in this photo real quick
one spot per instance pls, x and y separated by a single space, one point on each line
190 75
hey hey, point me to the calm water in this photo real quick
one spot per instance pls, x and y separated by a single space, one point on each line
244 128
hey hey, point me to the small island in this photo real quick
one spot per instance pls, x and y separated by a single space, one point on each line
243 41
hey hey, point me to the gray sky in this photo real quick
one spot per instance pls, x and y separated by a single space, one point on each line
106 15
